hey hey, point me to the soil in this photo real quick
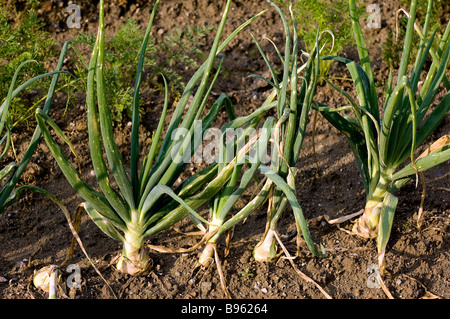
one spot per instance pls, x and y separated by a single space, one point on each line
34 232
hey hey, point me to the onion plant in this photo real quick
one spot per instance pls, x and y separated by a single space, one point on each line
287 132
12 172
384 140
248 160
144 203
294 96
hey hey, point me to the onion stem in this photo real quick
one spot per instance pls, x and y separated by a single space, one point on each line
367 225
135 259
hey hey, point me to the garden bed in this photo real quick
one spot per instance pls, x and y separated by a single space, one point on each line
417 260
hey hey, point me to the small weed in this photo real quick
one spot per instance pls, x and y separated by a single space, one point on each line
406 225
246 273
25 40
331 15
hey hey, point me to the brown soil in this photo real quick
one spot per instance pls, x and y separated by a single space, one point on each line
417 259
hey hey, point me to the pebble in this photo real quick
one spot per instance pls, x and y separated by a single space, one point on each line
3 279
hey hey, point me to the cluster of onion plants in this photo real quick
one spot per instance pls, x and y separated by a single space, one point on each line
144 203
292 96
384 140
